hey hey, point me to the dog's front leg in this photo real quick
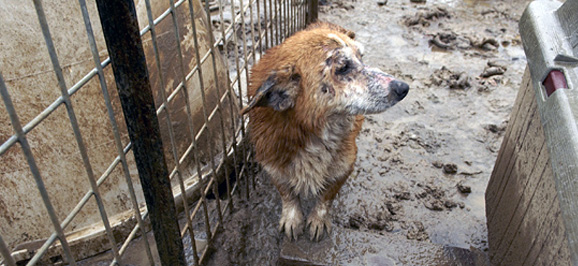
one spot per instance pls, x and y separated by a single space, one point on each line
319 219
291 221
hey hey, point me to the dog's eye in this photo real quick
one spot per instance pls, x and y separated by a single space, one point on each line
346 68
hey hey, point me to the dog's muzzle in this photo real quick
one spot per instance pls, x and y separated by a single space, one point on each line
397 90
382 91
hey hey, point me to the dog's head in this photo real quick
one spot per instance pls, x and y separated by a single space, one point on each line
321 69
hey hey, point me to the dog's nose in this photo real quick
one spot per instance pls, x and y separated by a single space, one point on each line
399 88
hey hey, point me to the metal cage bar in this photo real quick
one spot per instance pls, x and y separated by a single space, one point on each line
219 107
74 123
205 115
237 81
35 171
5 252
165 102
185 92
125 48
254 26
230 91
230 99
118 143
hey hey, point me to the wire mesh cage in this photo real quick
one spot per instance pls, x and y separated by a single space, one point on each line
71 164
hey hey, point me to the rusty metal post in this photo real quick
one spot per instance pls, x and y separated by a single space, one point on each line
313 13
121 33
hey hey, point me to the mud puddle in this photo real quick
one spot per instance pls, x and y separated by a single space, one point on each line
423 165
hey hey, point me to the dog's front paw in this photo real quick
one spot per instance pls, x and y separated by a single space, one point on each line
318 221
291 222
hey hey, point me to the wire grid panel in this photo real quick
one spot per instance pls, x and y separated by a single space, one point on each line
67 166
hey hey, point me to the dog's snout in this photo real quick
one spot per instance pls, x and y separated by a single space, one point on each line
400 88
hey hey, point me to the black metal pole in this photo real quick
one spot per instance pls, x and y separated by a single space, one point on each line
121 32
313 11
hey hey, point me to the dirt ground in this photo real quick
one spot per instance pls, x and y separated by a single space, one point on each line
424 164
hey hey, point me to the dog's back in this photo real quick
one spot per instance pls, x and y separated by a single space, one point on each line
307 99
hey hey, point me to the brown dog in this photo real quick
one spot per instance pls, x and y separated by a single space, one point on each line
309 95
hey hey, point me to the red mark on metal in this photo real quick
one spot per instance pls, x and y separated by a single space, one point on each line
555 80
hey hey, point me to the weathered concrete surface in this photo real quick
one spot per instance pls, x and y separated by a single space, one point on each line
351 247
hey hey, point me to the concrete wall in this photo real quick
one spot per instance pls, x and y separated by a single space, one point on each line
32 84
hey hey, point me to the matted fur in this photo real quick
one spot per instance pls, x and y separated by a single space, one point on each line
308 97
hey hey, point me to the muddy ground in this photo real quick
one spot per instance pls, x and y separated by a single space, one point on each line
423 165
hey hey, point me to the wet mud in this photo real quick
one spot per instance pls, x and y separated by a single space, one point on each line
423 165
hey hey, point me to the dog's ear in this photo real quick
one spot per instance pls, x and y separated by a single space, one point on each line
278 91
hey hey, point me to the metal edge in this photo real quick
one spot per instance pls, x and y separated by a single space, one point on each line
544 38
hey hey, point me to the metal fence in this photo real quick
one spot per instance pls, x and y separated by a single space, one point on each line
180 99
